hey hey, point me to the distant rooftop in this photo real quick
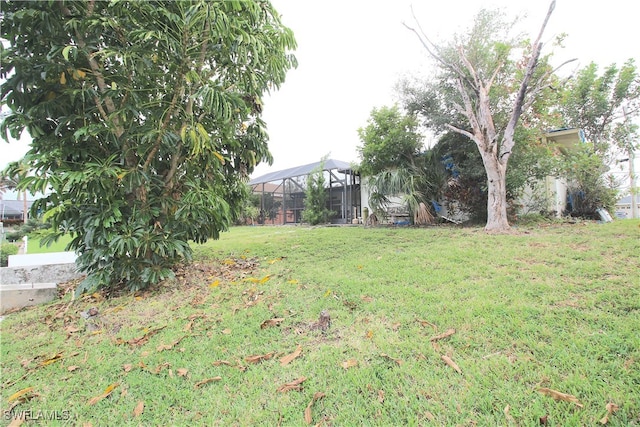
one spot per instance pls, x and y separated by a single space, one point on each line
329 164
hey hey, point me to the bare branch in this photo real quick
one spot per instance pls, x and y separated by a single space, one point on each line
508 138
431 48
462 132
541 85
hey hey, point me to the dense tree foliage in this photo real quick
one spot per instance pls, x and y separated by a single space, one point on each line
389 140
603 106
315 201
394 163
145 120
481 91
600 105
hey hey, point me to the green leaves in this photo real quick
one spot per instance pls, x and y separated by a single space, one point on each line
145 119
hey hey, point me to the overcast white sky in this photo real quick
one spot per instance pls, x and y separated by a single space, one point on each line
352 52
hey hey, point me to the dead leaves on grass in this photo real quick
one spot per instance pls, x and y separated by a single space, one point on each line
207 381
557 395
271 322
611 409
139 409
292 385
350 363
163 346
259 358
140 340
308 418
285 360
451 363
443 335
106 393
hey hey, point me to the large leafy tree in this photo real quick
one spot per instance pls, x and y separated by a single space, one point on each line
145 120
603 106
600 105
481 92
389 140
394 163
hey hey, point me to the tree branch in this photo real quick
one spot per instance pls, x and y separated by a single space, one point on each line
508 138
95 68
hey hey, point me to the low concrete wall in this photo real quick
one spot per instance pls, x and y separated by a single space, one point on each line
25 260
18 296
52 273
36 284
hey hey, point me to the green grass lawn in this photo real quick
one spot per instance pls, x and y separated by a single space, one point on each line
33 246
429 326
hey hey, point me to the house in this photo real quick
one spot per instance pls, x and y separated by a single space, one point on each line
625 210
14 210
551 195
282 193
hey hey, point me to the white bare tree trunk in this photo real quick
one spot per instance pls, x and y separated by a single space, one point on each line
496 194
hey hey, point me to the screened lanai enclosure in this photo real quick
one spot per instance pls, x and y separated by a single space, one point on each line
282 193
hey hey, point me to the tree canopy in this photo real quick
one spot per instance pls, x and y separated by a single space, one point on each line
481 91
145 120
390 139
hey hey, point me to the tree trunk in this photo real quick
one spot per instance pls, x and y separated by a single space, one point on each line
496 194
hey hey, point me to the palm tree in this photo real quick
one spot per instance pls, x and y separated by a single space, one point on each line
10 179
418 185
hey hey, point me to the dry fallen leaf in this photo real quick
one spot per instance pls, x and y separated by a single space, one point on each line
369 334
127 367
396 326
451 363
381 396
507 415
222 362
349 363
182 372
285 360
259 358
307 412
207 381
139 409
427 323
292 385
611 409
51 360
140 340
560 396
20 393
104 394
226 331
271 322
393 359
72 368
162 347
446 334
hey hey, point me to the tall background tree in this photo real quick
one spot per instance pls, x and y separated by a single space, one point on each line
394 163
603 105
481 92
145 119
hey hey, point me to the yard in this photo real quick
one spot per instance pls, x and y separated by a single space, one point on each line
428 326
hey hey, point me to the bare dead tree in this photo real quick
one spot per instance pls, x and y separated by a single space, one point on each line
475 106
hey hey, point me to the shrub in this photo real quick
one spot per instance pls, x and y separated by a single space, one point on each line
315 204
7 249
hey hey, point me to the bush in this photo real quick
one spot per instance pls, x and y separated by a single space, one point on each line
15 235
7 249
315 203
